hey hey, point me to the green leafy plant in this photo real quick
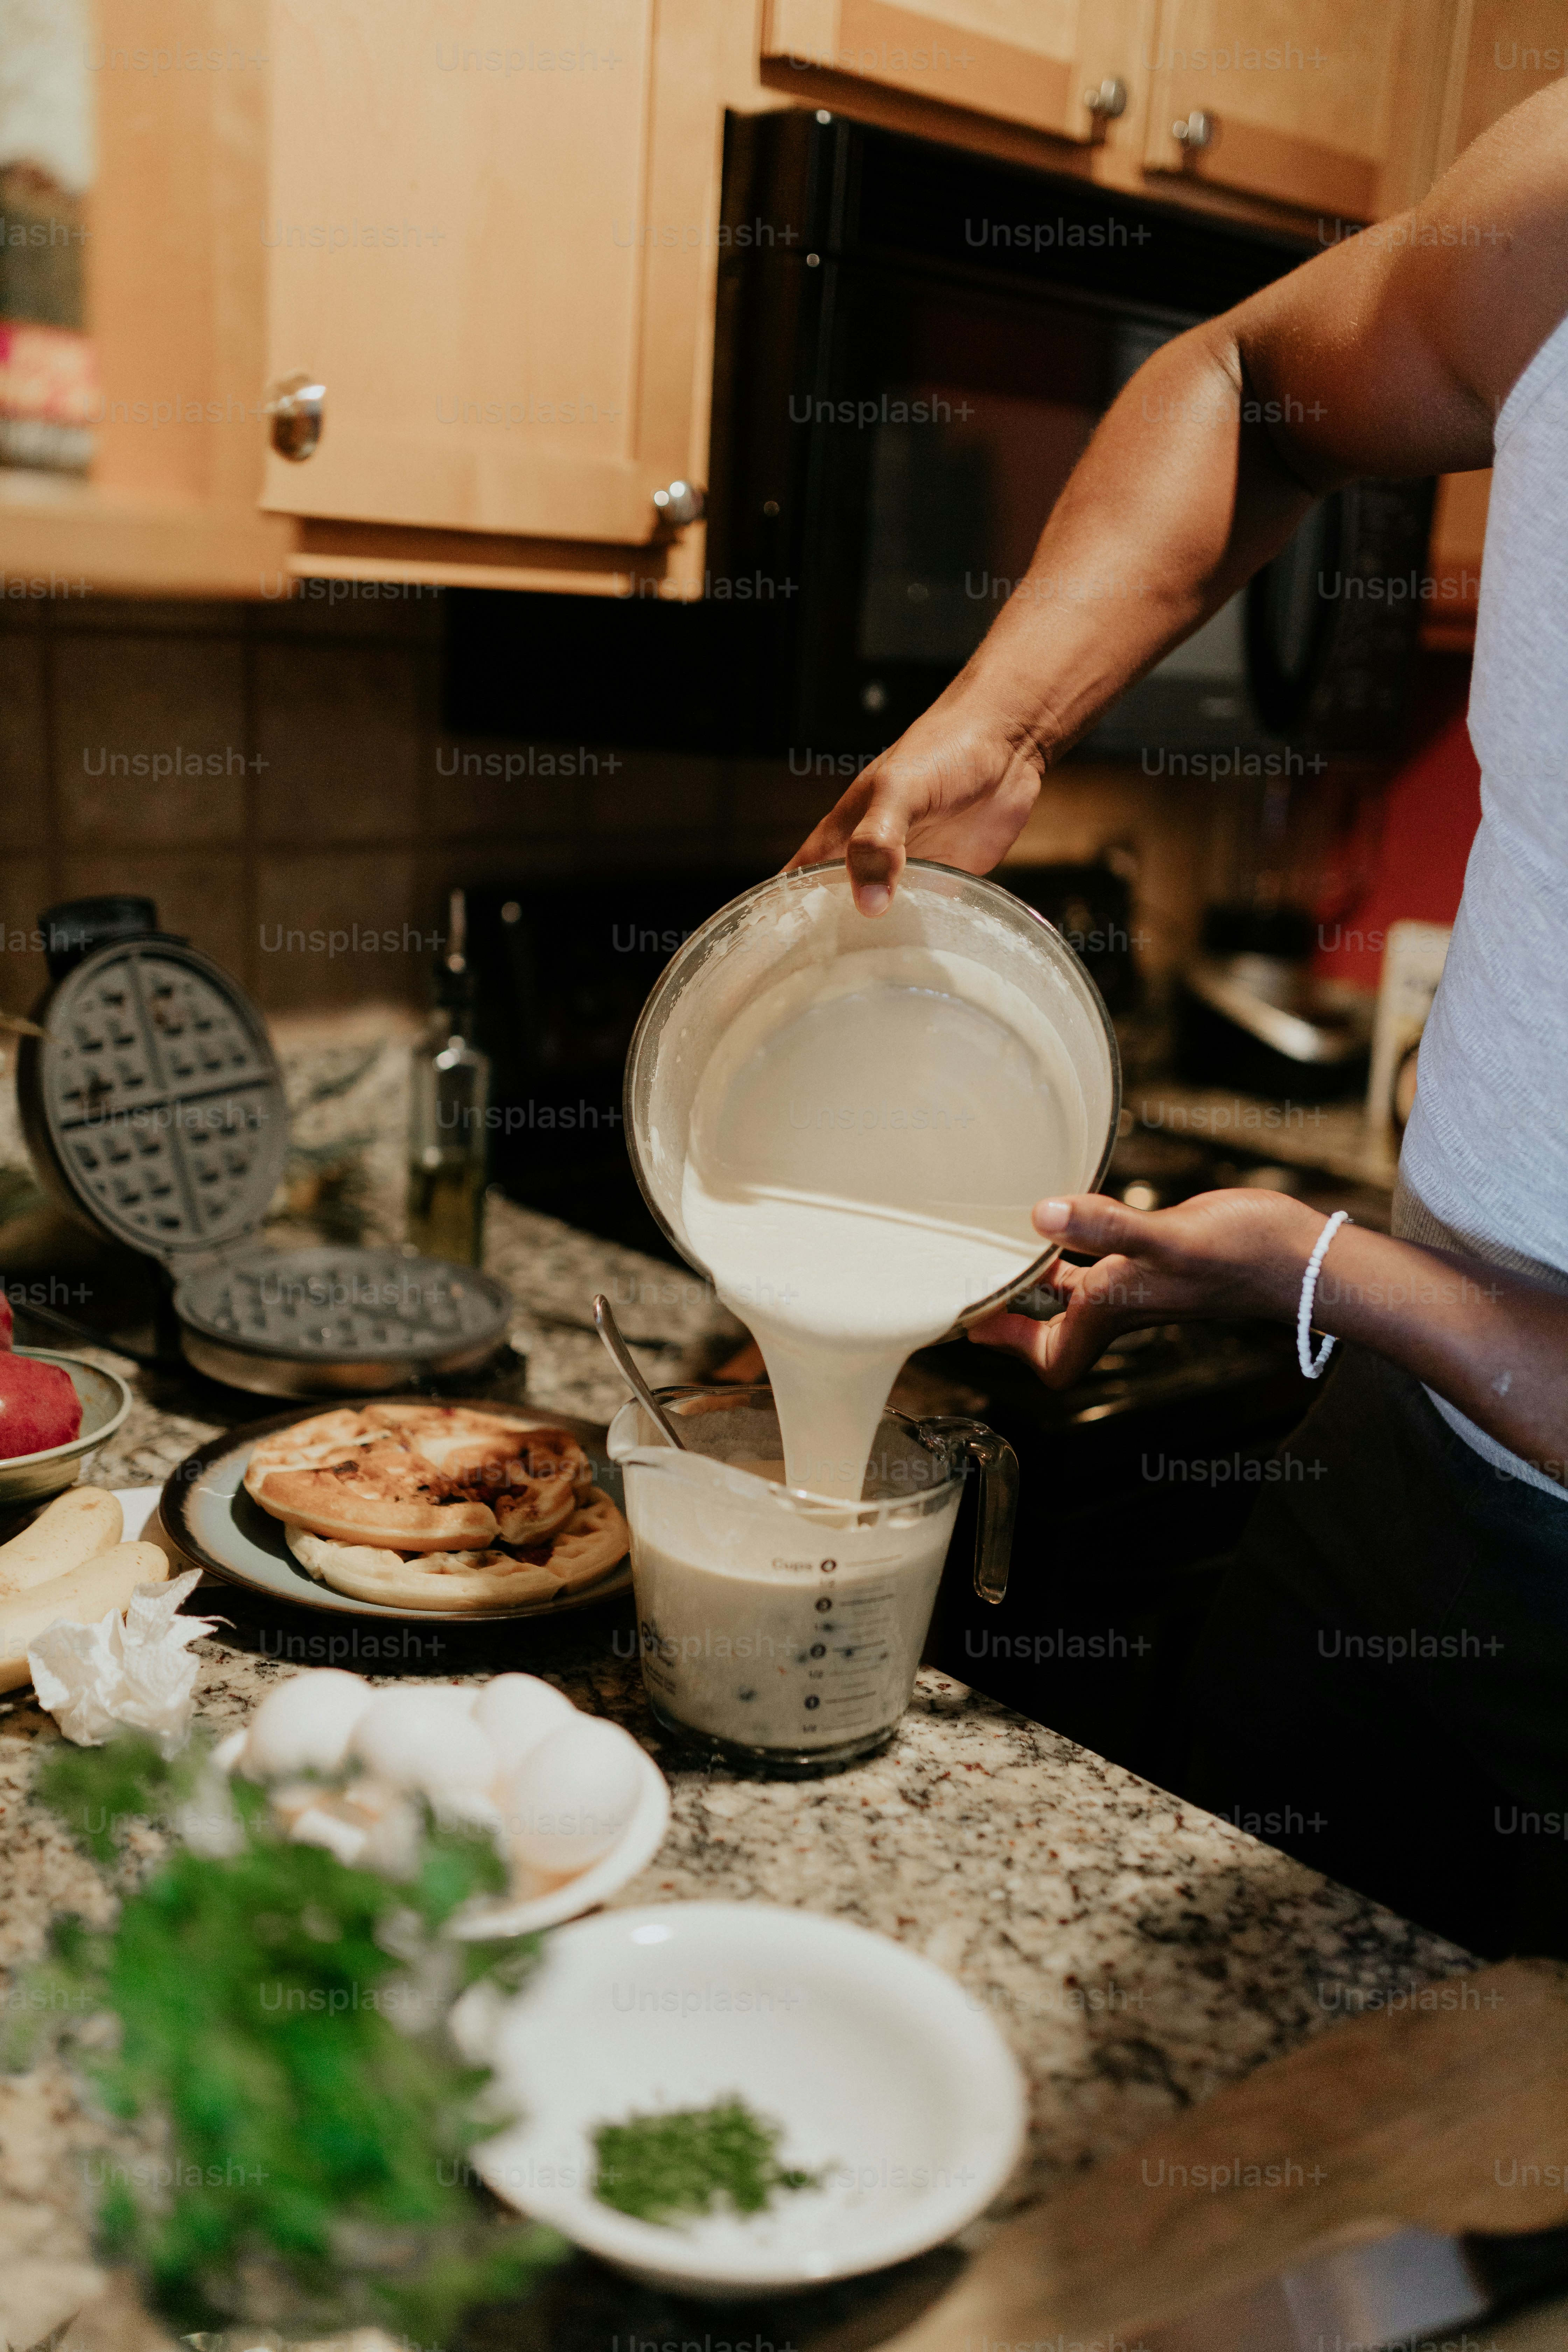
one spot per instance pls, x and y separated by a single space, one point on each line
660 2167
281 2016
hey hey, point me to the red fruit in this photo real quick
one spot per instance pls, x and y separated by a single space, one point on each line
6 1319
38 1407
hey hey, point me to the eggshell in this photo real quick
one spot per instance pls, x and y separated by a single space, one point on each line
517 1711
425 1738
572 1796
464 1694
305 1724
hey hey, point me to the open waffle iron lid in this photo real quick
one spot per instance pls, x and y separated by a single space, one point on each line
155 1108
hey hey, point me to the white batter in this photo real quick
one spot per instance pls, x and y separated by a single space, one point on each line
866 1143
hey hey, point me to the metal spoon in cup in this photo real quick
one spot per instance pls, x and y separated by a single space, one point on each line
609 1332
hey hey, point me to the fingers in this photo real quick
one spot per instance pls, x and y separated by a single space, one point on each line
1088 1221
1014 1334
876 854
1062 1351
867 828
827 840
956 786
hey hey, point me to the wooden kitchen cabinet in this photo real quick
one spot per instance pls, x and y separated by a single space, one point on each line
1328 105
174 306
491 237
1063 67
1286 106
492 234
1508 49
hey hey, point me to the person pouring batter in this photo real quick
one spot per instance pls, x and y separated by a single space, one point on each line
1390 1652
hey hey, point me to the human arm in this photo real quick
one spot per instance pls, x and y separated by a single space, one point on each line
1492 1343
1388 354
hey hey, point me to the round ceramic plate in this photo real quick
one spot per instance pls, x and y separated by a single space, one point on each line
105 1402
208 1516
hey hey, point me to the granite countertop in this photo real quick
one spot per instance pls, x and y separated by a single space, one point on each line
1136 1953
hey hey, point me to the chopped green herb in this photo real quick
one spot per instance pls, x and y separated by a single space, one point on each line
656 2168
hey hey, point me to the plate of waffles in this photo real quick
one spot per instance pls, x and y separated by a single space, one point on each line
407 1507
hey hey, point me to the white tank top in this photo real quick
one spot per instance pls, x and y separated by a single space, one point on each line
1486 1153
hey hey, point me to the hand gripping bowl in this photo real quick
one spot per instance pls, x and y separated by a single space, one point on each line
810 916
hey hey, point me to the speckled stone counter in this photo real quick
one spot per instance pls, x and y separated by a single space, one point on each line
1135 1953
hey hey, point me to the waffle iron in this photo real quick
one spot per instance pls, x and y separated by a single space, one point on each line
154 1112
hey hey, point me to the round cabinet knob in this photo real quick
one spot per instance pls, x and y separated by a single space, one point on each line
1199 130
297 407
1109 100
681 503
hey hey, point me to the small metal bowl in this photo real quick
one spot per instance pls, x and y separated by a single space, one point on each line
105 1402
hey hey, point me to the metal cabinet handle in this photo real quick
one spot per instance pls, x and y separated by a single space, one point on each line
297 405
1109 100
1199 130
681 503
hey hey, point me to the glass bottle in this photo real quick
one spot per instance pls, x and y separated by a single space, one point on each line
448 1100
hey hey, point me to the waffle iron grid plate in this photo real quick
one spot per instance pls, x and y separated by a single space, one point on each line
342 1317
156 1102
156 1110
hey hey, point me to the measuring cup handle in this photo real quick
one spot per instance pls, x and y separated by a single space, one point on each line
998 1501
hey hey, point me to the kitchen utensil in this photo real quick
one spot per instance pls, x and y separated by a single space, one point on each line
884 2074
154 1110
809 915
1328 2192
105 1402
209 1517
783 1629
1251 1013
316 1322
527 1914
625 1363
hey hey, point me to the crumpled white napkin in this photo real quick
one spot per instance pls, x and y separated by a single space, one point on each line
138 1672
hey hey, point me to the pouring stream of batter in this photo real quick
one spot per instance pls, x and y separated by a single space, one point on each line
866 1141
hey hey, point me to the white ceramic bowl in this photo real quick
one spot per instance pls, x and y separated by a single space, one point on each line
883 2074
524 1915
105 1402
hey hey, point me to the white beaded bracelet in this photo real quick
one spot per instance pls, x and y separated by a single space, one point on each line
1312 1365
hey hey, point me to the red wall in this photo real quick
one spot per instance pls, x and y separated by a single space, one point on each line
1432 808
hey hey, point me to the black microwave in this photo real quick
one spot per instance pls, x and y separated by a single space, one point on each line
913 346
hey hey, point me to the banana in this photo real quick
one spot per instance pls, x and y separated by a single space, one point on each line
76 1527
81 1597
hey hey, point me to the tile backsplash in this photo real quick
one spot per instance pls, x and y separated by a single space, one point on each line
275 777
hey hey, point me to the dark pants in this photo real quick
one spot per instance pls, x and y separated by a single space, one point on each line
1383 1689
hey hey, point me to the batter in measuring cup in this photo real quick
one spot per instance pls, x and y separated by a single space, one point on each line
777 1633
865 1142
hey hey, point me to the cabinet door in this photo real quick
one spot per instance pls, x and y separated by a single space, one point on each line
1025 62
1327 104
491 236
1512 48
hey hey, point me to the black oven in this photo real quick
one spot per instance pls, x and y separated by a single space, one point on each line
913 346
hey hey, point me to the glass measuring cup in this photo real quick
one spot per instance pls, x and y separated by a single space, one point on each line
779 1628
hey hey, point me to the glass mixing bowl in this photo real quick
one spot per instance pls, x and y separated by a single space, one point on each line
810 916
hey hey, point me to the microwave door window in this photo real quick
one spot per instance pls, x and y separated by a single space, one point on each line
960 485
933 499
955 423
